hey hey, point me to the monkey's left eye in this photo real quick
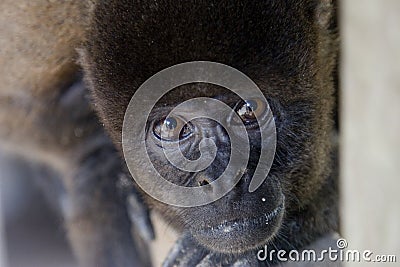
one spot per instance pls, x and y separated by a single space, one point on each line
251 110
172 129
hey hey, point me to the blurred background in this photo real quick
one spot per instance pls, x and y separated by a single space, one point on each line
370 125
30 230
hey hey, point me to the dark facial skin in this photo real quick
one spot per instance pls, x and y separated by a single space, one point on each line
245 220
288 48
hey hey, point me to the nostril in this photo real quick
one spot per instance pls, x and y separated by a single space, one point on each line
204 182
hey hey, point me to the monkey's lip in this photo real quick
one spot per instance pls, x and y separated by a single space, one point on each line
240 235
229 226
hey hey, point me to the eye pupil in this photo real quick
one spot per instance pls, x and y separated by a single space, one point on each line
248 109
170 123
251 105
251 109
172 129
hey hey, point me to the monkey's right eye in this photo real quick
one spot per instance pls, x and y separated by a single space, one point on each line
252 108
172 129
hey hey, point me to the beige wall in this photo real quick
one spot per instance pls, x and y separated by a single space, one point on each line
370 112
2 241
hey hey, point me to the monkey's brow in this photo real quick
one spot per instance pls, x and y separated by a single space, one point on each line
162 110
231 99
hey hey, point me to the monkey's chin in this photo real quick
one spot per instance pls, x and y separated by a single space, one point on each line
239 236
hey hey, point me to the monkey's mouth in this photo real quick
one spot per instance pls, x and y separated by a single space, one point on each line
241 235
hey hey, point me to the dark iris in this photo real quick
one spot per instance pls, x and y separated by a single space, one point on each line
252 109
251 105
172 129
170 123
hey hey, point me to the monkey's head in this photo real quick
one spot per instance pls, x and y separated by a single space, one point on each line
285 47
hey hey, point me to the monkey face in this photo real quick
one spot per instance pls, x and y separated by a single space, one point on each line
240 220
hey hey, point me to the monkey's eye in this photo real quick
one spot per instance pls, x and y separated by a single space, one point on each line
251 109
172 129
